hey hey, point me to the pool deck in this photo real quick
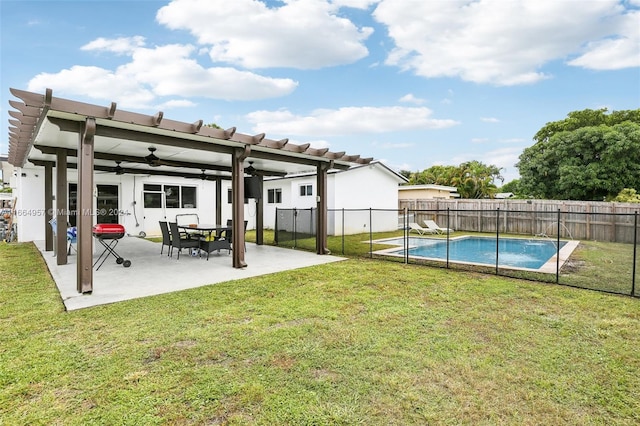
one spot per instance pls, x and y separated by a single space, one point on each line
549 267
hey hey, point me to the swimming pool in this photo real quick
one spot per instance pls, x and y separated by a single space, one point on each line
518 253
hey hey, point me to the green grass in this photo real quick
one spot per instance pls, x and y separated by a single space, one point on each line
355 342
602 266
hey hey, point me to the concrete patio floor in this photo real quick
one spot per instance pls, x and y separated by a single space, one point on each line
151 273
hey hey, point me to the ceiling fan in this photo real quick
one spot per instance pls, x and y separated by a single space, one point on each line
202 176
152 159
118 170
251 171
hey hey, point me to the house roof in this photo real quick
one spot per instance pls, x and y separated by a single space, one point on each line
428 186
373 163
40 125
504 195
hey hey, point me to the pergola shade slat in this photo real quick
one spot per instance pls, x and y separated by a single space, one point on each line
112 122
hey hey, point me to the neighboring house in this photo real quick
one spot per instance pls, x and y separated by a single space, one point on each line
7 172
427 192
504 195
372 186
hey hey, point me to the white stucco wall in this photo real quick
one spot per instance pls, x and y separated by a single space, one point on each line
134 217
359 188
250 209
29 208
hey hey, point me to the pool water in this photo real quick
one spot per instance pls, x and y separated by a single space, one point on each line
513 252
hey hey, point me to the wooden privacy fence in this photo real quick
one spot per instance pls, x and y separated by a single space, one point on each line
578 220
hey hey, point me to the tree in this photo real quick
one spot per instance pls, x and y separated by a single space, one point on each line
513 187
477 180
406 173
473 179
591 155
628 195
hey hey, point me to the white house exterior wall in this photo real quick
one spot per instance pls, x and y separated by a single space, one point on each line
363 188
29 208
358 188
250 208
134 217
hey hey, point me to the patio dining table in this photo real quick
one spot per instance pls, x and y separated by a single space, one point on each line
209 241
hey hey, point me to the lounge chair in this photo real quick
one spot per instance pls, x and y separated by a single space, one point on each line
419 229
433 226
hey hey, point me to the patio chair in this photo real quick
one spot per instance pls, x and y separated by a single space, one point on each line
186 219
72 235
166 237
228 234
431 224
72 238
419 229
178 242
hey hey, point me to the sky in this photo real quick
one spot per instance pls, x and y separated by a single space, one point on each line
411 83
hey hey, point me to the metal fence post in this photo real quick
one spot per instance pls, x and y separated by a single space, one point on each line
370 234
497 238
343 230
448 237
558 250
275 237
295 227
635 252
405 235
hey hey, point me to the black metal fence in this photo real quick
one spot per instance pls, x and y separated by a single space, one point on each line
489 247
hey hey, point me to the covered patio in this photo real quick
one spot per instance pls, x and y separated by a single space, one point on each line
152 273
59 134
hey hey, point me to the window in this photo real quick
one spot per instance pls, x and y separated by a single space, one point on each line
306 190
274 196
175 196
152 200
189 197
172 196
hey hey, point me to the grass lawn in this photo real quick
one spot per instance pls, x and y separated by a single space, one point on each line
593 265
356 342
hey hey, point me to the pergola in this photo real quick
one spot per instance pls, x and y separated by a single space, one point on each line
59 133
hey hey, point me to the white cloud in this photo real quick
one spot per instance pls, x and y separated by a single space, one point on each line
305 34
356 4
489 119
347 121
163 71
176 103
411 99
479 140
506 42
621 51
94 83
122 45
